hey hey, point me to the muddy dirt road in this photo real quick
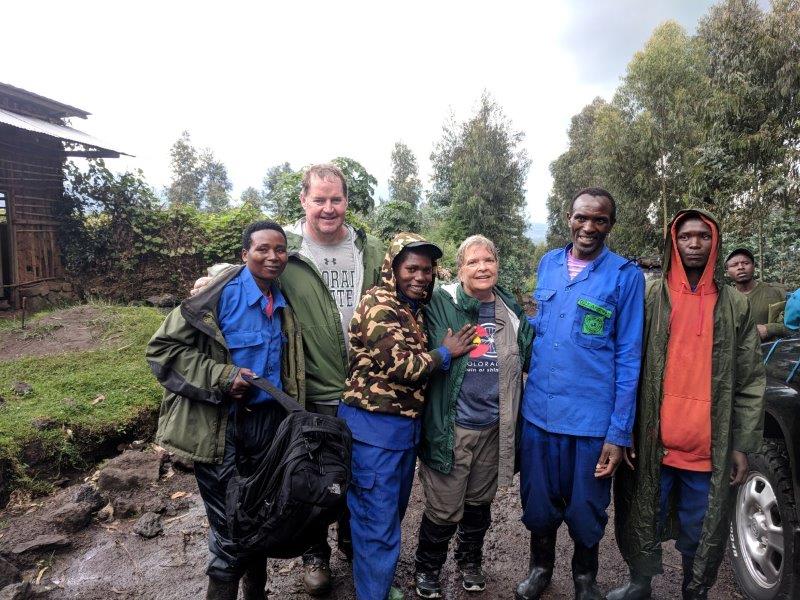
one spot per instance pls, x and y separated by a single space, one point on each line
105 559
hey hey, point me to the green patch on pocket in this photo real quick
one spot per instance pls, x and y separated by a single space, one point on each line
594 308
593 324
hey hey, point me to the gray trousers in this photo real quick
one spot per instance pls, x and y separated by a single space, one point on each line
472 480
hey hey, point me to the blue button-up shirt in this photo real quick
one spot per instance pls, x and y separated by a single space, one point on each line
255 340
587 351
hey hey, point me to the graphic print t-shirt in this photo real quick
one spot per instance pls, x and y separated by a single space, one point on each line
478 405
336 264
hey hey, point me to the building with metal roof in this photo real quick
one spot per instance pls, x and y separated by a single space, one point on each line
35 141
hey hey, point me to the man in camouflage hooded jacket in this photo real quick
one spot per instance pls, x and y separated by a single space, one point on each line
382 403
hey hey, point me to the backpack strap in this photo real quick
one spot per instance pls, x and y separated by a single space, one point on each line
285 400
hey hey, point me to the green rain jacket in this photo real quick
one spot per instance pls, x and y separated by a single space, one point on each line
737 419
326 359
189 357
762 297
451 307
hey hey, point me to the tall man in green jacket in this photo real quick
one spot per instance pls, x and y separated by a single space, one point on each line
699 412
331 265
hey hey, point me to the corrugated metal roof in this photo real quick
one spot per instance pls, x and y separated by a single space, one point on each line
62 132
53 108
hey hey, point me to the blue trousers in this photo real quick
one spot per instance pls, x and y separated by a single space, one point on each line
557 484
691 489
377 501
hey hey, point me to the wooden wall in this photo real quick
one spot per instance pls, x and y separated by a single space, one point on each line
31 176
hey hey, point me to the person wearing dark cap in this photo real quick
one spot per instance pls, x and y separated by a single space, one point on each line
390 365
740 267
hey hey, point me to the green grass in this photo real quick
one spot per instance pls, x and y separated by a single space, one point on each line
71 426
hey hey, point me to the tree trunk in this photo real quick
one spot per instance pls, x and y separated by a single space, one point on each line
664 195
761 214
761 218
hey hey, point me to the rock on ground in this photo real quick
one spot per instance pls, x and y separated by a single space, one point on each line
163 301
41 542
8 573
108 560
149 525
130 470
71 517
21 388
123 507
90 494
16 591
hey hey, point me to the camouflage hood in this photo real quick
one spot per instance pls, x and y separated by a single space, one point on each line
396 246
389 359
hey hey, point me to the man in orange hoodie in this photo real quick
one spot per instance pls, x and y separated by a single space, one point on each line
699 412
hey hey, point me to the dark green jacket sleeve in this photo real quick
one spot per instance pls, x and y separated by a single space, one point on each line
776 330
748 397
175 357
436 320
776 327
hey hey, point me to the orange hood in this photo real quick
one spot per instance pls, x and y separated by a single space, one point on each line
676 277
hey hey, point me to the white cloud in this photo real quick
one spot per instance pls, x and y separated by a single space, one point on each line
263 83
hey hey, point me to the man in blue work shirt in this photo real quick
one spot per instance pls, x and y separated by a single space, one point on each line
579 401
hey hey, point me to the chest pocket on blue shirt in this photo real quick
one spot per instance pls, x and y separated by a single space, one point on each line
593 319
544 307
243 339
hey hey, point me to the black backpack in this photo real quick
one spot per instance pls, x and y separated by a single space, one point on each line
299 488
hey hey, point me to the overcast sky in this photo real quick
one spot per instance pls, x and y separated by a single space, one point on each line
304 82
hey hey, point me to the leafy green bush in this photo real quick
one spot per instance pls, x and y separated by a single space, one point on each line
120 243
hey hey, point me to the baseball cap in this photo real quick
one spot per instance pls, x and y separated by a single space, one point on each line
741 250
434 250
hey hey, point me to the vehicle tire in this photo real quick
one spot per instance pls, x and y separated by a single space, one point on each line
762 527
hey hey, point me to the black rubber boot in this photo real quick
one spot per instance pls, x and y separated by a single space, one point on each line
254 581
316 575
687 562
701 593
638 588
431 554
584 572
469 551
543 557
344 539
222 590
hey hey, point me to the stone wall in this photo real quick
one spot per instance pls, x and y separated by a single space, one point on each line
47 294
